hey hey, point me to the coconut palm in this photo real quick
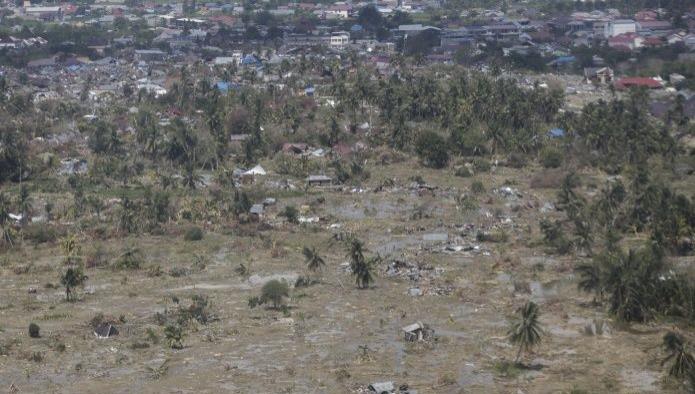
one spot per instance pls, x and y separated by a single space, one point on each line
683 362
314 262
590 279
525 331
5 219
24 204
360 267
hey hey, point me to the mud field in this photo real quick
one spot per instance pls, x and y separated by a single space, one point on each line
333 337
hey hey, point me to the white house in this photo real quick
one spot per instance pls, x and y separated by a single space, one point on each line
620 26
339 39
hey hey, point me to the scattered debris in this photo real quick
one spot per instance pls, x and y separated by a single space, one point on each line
382 387
417 332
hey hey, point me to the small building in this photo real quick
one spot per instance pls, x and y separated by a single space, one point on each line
417 332
620 26
256 211
638 82
630 41
295 148
238 139
340 39
319 180
598 74
150 55
44 13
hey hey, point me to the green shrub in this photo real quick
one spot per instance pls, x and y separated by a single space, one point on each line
42 233
463 172
130 259
492 236
291 214
551 157
432 149
481 165
193 234
516 160
477 187
34 330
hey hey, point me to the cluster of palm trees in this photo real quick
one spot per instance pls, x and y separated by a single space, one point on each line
621 131
639 284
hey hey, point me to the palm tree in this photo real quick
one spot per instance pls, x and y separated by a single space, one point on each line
525 331
683 361
591 279
360 267
314 262
5 219
24 204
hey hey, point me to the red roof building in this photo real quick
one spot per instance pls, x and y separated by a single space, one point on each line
626 83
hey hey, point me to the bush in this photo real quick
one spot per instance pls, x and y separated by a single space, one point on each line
463 172
432 149
551 157
494 236
274 291
516 160
34 330
291 214
42 233
548 179
481 165
130 259
477 187
193 234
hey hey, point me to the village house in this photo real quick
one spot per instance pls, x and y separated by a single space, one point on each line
626 83
340 39
630 41
51 13
319 180
598 75
619 26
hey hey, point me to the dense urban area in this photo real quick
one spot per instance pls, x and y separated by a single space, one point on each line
394 196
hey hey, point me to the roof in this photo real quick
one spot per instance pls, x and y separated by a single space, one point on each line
239 137
318 178
257 170
413 327
416 27
625 83
105 330
623 21
42 9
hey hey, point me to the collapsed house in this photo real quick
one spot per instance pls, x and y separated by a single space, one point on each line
417 332
105 330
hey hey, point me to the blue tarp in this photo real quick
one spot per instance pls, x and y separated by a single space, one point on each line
556 133
224 86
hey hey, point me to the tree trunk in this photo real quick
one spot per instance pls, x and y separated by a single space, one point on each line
518 354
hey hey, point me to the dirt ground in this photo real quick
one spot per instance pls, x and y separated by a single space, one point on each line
335 338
